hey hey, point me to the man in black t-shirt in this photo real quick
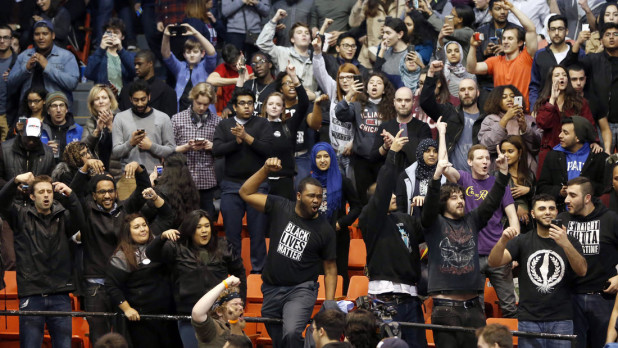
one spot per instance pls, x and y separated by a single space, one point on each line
549 260
300 242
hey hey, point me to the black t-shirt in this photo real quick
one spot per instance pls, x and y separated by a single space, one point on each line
546 279
297 246
613 102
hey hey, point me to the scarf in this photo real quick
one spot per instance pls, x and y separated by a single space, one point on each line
458 69
330 178
424 171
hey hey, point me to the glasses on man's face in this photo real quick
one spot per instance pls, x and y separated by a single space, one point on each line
258 62
348 46
244 103
58 106
557 29
5 38
104 192
34 101
610 34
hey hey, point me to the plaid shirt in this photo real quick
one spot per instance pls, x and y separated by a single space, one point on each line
170 11
201 163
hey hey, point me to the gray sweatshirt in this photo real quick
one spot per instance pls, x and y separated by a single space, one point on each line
233 10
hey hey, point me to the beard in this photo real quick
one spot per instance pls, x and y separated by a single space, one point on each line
468 104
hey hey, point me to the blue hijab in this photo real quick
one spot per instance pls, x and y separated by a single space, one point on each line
331 178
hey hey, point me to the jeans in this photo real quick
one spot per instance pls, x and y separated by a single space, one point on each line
472 316
206 202
563 327
303 168
233 209
409 310
614 128
96 300
294 304
187 334
31 328
238 40
502 280
590 319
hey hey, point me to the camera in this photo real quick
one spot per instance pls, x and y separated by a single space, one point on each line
384 312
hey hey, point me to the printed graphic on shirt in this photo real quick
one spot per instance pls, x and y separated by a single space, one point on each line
587 233
371 121
293 242
575 165
546 270
324 206
457 251
405 236
476 195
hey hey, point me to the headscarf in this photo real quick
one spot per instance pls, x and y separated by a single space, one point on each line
458 69
331 178
424 171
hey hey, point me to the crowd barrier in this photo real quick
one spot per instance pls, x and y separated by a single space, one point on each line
571 338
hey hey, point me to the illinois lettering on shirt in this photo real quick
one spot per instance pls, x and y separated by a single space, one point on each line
587 233
293 242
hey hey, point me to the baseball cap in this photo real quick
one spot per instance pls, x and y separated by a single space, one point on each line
43 23
33 127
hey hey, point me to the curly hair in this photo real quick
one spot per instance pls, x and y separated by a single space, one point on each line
71 154
493 104
361 329
178 187
219 306
572 100
386 107
423 31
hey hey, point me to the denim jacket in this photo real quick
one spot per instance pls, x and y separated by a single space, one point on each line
96 70
60 74
181 71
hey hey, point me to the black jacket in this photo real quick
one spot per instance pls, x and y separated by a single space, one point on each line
101 236
162 97
17 159
192 277
417 131
43 259
453 116
554 173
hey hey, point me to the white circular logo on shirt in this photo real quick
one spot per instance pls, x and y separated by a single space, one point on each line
277 134
545 269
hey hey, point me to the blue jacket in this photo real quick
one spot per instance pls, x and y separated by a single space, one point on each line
60 74
96 70
74 133
200 74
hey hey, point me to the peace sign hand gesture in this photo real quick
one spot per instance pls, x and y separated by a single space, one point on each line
501 162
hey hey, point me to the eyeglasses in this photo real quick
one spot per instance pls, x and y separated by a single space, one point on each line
258 62
348 47
288 83
58 106
244 103
346 78
34 101
5 38
610 34
104 192
558 29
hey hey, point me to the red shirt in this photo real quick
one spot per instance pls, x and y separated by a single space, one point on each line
225 93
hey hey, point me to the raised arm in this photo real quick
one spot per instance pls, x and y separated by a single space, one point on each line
206 45
574 255
199 314
472 65
529 27
499 255
249 190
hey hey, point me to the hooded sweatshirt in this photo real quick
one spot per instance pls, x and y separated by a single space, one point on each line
599 239
575 160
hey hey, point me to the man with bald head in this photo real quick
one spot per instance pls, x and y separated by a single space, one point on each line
464 121
413 128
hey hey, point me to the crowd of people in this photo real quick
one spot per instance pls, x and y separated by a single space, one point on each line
470 140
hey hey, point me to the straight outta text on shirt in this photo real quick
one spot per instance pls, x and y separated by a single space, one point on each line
587 233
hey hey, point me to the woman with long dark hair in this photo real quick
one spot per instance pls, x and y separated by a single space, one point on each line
504 118
421 34
557 100
32 105
139 285
200 260
337 191
522 183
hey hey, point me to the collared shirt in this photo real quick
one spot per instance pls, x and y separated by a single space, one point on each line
170 11
201 163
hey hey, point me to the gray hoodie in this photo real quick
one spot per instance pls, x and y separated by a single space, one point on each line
233 10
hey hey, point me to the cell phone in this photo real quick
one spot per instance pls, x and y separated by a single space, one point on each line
141 131
139 11
159 169
177 29
585 27
358 78
411 48
557 222
404 126
450 20
24 186
494 40
518 101
23 119
109 33
201 140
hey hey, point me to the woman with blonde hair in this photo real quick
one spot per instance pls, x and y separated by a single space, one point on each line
97 133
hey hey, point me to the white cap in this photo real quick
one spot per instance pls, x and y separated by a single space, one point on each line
33 127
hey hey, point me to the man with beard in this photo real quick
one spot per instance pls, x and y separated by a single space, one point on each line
594 226
454 272
547 57
515 65
464 122
301 243
550 260
261 86
7 99
142 134
45 65
245 141
163 97
601 70
194 130
414 129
